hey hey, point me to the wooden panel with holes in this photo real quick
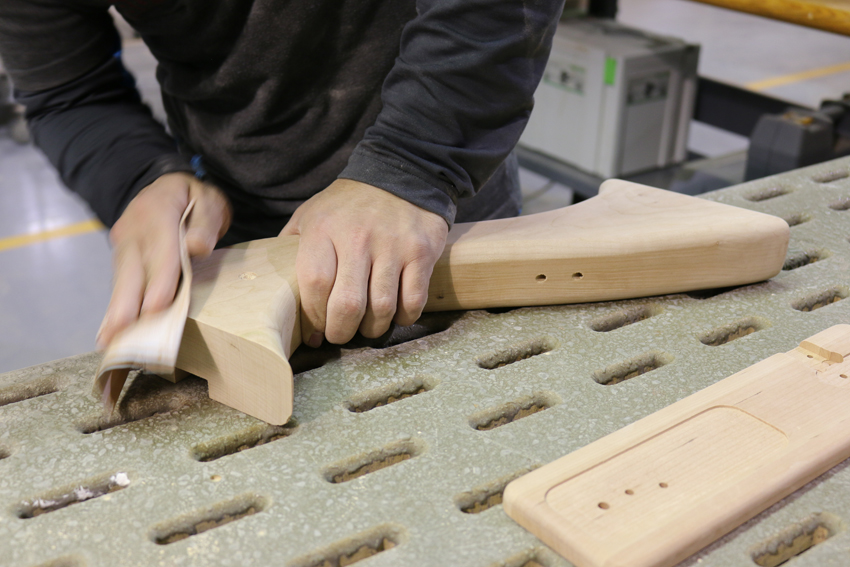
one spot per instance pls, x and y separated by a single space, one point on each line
656 491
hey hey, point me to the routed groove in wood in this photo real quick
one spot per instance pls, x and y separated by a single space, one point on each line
516 353
799 258
390 393
624 317
355 548
87 490
766 194
821 299
241 441
513 411
217 516
28 391
632 368
796 540
373 461
733 331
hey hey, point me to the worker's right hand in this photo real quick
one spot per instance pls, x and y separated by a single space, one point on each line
145 246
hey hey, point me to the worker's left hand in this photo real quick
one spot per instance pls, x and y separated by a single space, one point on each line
365 259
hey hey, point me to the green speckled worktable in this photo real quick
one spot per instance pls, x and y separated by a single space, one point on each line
400 453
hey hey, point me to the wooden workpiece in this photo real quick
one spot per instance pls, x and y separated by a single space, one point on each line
658 490
827 15
629 241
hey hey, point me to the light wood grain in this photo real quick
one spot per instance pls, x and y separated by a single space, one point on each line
629 241
827 15
660 489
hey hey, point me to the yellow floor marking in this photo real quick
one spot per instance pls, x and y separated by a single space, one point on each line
797 77
19 240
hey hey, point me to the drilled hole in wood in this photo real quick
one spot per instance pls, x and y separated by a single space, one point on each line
517 353
797 219
624 317
84 491
578 276
241 441
830 176
28 391
799 258
373 461
355 548
733 331
821 299
840 205
488 495
796 540
219 515
148 396
513 411
390 393
604 505
540 278
632 368
767 193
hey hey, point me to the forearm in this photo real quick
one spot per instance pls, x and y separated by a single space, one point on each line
101 138
457 99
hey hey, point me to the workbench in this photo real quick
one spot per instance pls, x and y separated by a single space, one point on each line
401 453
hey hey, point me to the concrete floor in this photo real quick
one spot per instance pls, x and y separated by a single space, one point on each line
54 290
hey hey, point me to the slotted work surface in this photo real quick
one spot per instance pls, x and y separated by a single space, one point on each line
398 456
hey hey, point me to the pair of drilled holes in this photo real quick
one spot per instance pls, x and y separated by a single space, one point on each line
540 278
628 492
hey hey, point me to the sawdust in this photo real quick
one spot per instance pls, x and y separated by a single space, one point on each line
205 525
512 416
486 504
798 545
371 467
370 405
363 552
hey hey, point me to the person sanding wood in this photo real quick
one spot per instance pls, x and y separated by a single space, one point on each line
367 127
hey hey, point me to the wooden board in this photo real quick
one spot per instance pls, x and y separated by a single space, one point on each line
629 241
660 489
827 15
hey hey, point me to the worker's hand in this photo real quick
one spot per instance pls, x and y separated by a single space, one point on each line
365 259
145 246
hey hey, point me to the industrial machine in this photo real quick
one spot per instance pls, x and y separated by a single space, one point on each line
614 100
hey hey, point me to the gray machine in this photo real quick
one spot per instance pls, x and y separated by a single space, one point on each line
799 137
614 100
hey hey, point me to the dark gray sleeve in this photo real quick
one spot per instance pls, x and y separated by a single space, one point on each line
81 104
456 100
